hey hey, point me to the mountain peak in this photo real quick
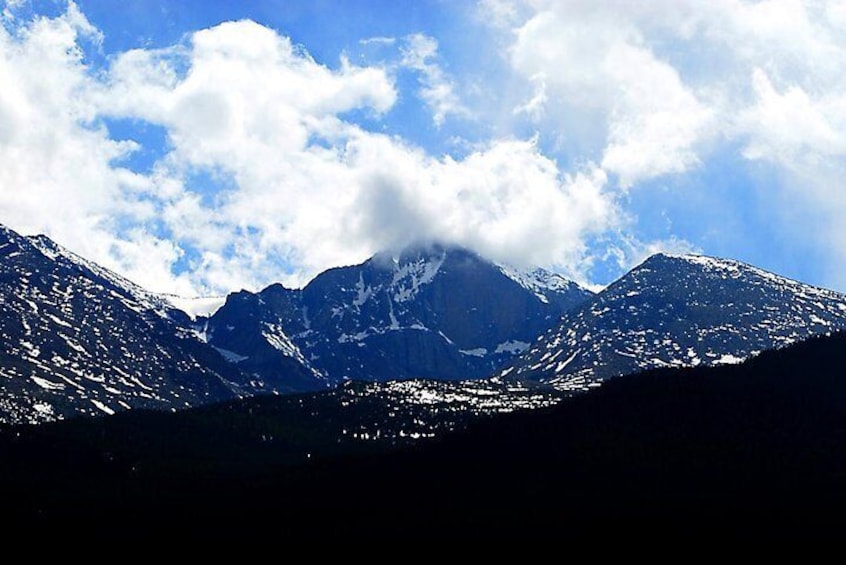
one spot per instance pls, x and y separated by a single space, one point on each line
679 310
693 258
716 268
429 310
76 338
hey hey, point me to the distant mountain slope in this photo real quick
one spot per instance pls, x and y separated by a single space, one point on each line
741 450
77 339
436 312
678 311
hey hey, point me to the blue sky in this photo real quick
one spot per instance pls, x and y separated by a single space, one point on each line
203 147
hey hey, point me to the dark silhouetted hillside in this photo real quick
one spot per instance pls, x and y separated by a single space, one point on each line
757 449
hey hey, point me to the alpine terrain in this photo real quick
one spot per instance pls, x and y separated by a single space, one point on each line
678 311
77 339
430 312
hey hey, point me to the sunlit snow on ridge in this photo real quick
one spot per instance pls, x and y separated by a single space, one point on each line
538 281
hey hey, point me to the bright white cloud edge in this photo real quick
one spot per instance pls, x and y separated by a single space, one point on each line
308 189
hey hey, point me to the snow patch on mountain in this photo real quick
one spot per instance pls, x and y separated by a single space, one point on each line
278 339
512 347
729 359
363 292
538 281
408 279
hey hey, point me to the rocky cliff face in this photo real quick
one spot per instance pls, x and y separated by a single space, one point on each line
431 312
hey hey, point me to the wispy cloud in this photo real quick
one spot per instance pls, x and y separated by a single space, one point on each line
379 40
437 89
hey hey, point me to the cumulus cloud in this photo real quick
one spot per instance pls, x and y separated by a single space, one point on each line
245 108
267 172
590 58
668 78
781 126
58 173
263 177
670 86
508 202
263 117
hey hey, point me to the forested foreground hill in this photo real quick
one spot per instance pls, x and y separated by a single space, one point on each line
751 449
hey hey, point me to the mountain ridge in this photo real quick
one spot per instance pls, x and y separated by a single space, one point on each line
423 313
678 310
77 339
80 340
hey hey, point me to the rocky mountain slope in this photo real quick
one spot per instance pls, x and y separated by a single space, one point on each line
76 339
431 312
678 311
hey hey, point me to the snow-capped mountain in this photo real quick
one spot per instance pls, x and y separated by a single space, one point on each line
678 311
430 312
77 339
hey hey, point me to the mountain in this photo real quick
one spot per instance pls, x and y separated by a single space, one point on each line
677 311
753 450
431 312
77 339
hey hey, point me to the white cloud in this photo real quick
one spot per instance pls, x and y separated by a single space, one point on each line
591 59
499 13
248 103
378 40
656 121
264 178
264 115
534 107
437 90
57 172
508 202
672 86
669 78
783 125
